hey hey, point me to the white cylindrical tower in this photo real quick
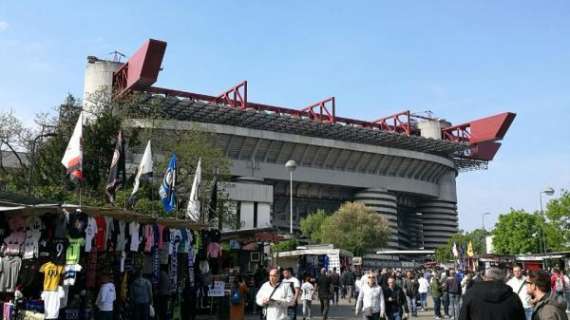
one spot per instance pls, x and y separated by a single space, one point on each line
98 85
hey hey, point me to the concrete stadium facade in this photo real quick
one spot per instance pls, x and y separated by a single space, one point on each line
415 191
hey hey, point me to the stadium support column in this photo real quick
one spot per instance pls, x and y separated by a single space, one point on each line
384 203
439 216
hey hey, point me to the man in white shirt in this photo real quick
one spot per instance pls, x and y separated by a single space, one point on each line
105 299
296 286
275 297
517 283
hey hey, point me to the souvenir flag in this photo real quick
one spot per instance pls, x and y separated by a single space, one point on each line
73 156
213 204
470 249
454 250
117 173
144 171
193 209
167 190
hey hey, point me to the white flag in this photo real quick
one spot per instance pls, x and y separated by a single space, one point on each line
145 169
73 157
454 250
193 209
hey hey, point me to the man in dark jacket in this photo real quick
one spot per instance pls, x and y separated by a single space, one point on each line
491 299
546 307
395 300
411 287
454 292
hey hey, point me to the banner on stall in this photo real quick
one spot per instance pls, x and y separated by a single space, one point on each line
217 290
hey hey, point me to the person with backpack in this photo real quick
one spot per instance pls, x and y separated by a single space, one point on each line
274 297
395 301
546 307
140 295
518 284
295 284
238 293
411 287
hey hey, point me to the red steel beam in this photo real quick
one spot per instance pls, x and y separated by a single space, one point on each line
141 70
324 113
487 129
399 123
235 97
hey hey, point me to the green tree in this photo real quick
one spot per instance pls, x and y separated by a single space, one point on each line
286 245
518 232
356 228
311 225
99 134
558 214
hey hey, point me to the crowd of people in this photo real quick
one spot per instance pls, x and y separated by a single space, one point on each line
496 293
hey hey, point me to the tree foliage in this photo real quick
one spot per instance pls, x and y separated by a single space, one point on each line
311 225
558 214
47 175
286 245
518 232
352 227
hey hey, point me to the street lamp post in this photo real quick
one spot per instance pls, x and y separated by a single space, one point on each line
291 165
483 215
549 192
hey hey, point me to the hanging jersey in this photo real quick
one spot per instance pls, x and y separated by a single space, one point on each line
74 250
52 275
90 232
70 274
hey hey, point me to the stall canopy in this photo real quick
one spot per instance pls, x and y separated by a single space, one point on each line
9 207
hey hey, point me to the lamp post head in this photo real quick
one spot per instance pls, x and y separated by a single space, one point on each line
548 191
291 165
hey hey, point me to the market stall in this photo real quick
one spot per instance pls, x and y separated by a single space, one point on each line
310 259
55 258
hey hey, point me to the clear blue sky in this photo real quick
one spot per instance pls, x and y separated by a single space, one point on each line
461 59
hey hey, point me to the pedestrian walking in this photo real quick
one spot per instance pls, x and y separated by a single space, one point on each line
445 294
324 289
370 300
423 291
546 307
238 296
395 301
567 292
436 292
411 288
454 292
274 297
347 281
307 293
518 284
491 299
557 284
295 284
335 281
